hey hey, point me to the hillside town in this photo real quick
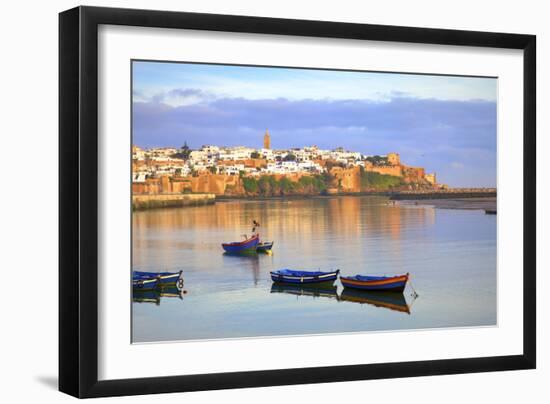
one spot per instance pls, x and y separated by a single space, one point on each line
247 171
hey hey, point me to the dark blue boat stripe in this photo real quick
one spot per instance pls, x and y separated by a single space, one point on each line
276 278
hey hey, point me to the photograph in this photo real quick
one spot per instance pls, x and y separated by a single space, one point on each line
277 201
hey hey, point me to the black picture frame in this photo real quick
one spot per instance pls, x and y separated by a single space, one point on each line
78 200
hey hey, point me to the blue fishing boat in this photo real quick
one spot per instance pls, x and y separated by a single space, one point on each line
242 246
264 247
387 283
145 283
293 276
165 278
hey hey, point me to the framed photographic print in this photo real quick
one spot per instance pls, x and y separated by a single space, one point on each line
250 201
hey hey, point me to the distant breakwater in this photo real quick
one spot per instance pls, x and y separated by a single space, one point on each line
445 194
154 201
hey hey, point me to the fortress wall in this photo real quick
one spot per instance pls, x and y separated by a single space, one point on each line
413 174
348 179
166 201
386 170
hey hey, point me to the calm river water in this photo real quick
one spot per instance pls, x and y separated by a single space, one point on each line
450 254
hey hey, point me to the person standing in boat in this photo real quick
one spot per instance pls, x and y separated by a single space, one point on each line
255 224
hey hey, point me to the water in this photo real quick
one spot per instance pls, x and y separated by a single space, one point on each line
450 254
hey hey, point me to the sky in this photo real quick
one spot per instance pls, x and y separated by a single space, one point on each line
446 124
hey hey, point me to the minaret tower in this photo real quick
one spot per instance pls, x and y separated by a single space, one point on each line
267 140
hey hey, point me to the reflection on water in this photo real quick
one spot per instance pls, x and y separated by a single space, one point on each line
250 260
313 290
451 255
155 295
388 300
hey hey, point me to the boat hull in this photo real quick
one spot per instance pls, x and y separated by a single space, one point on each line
165 278
243 246
375 283
145 284
303 277
264 247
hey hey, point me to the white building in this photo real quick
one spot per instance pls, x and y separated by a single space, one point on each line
267 154
198 156
138 153
234 169
235 153
210 149
162 152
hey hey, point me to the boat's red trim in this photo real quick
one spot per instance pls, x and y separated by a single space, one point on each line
351 281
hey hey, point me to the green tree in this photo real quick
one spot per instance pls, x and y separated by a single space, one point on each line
378 160
250 185
377 181
290 157
287 186
255 155
183 152
264 185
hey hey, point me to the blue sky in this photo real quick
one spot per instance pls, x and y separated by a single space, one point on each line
445 124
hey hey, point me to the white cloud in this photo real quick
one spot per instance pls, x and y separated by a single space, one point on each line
456 165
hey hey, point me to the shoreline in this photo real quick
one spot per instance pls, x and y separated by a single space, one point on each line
227 198
454 199
392 195
450 194
157 201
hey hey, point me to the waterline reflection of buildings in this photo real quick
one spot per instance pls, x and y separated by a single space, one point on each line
340 219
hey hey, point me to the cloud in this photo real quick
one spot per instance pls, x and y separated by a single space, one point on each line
178 97
426 132
456 165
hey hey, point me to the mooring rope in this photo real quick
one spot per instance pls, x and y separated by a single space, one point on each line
414 294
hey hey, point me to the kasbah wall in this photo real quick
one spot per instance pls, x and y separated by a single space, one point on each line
346 179
349 179
206 183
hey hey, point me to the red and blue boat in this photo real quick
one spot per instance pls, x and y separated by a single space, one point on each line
380 283
238 247
301 277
